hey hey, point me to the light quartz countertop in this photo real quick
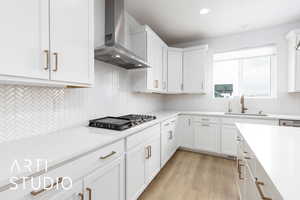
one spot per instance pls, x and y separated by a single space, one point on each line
277 149
61 146
64 145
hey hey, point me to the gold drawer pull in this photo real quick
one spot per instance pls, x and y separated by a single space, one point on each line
258 185
35 193
47 59
167 124
148 152
240 169
81 196
170 135
90 193
107 156
56 62
247 158
205 119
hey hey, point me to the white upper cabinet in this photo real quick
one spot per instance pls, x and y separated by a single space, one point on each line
165 69
71 40
194 63
47 42
151 79
24 38
294 60
155 59
174 70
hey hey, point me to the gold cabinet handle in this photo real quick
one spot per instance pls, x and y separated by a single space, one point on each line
81 196
155 83
170 135
247 158
298 47
35 193
107 156
47 60
240 169
55 62
90 193
260 191
147 152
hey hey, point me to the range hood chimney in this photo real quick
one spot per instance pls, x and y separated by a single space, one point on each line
115 50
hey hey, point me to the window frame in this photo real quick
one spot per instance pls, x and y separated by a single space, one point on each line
273 74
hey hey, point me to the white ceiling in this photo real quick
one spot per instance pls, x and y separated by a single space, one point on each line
178 21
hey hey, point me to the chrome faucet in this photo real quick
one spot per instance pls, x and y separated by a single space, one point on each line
243 108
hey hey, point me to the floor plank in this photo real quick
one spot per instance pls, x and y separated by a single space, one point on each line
193 176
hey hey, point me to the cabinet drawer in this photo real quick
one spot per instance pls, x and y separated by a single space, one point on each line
249 157
266 185
142 136
70 171
232 121
206 119
169 125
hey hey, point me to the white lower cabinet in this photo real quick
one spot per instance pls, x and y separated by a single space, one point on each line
214 134
207 136
143 161
253 182
107 182
184 132
135 172
251 192
168 140
152 160
76 193
228 140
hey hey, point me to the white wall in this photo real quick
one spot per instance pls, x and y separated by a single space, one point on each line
27 111
284 104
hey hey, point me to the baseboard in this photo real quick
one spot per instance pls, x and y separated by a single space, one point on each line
208 153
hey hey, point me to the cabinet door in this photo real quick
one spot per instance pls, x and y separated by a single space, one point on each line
165 69
228 140
107 182
184 132
24 38
153 162
71 27
168 141
194 70
135 172
173 137
165 140
206 136
174 70
155 59
240 168
251 192
76 193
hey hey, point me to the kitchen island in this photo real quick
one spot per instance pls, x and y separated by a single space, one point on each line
271 155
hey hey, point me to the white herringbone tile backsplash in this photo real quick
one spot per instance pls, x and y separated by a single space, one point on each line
28 111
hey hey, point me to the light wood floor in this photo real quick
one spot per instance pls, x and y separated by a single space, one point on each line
192 176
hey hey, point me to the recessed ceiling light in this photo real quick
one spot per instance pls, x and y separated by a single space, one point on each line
205 11
117 56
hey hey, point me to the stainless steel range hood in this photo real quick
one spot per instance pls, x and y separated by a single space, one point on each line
117 49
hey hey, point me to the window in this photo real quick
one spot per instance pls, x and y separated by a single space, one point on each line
249 72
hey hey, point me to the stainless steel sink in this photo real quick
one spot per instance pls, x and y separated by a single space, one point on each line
246 114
